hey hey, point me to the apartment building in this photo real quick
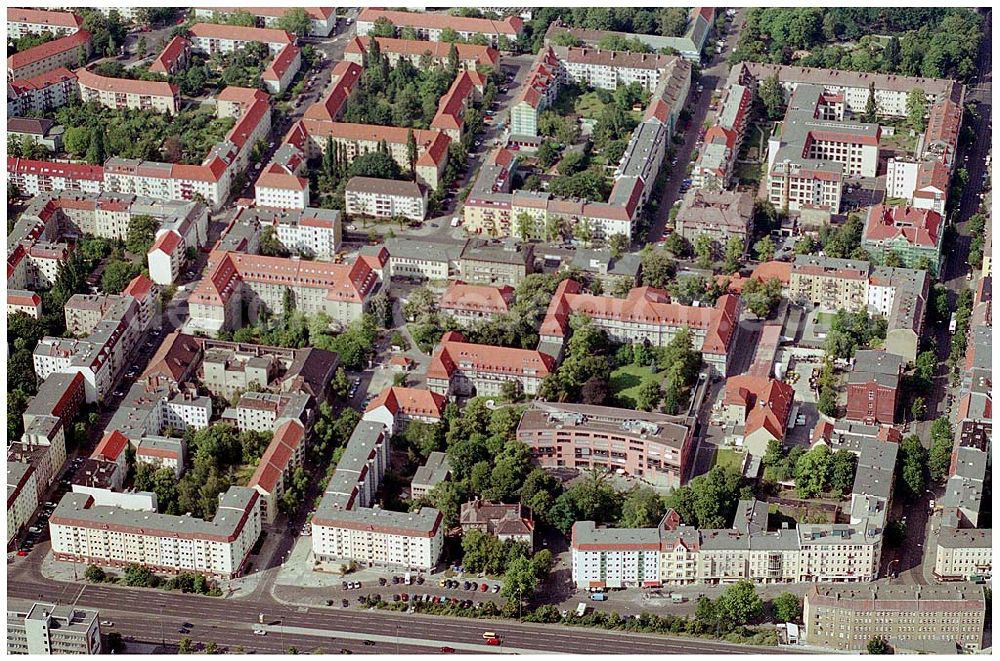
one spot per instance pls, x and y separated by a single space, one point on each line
912 618
963 554
127 93
47 91
720 215
416 258
213 38
231 367
23 300
101 356
162 452
34 177
279 186
213 178
646 315
499 33
759 408
471 57
21 22
612 272
512 521
311 232
173 58
395 406
22 496
43 132
652 447
41 629
40 59
873 387
346 527
263 411
914 235
385 198
43 443
322 20
464 91
283 455
829 282
901 296
282 69
459 368
471 303
343 78
689 45
87 533
615 557
607 69
310 135
433 472
234 279
539 90
496 263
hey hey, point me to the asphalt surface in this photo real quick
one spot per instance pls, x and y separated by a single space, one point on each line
153 616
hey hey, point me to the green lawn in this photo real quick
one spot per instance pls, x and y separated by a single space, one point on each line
588 105
825 319
626 381
728 459
748 173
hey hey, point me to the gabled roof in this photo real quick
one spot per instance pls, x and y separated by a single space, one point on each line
165 61
48 49
344 76
111 446
438 49
281 63
240 33
510 26
410 401
275 176
59 19
126 85
479 298
167 242
139 287
453 353
917 227
768 402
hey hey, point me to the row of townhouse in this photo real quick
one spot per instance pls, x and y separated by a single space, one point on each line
322 20
713 169
815 148
235 282
921 619
385 198
689 45
22 22
460 368
62 52
110 92
348 526
85 532
32 177
104 353
676 554
718 214
211 38
493 209
898 294
646 315
466 89
499 33
311 232
424 54
652 447
46 91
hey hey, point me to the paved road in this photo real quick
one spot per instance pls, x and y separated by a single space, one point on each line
229 618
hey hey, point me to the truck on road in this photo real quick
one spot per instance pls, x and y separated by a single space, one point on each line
598 596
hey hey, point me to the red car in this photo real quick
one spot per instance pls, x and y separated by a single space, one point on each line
22 553
484 587
493 641
447 650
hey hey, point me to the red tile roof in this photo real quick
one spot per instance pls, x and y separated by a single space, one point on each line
277 457
918 227
438 49
48 49
13 298
275 176
60 19
477 298
453 351
281 63
167 58
240 33
431 145
931 174
139 287
451 109
316 13
768 402
110 447
510 26
345 76
126 85
166 242
41 81
416 402
52 169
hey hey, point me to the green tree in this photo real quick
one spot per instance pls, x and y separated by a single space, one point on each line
141 234
773 97
734 255
912 465
526 225
658 268
185 646
764 249
878 646
762 297
117 274
95 574
787 607
871 107
649 396
96 154
703 247
382 27
643 508
296 21
519 581
740 604
677 245
942 442
376 164
916 108
812 473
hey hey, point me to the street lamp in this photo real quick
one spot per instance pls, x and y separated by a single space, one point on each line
888 570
